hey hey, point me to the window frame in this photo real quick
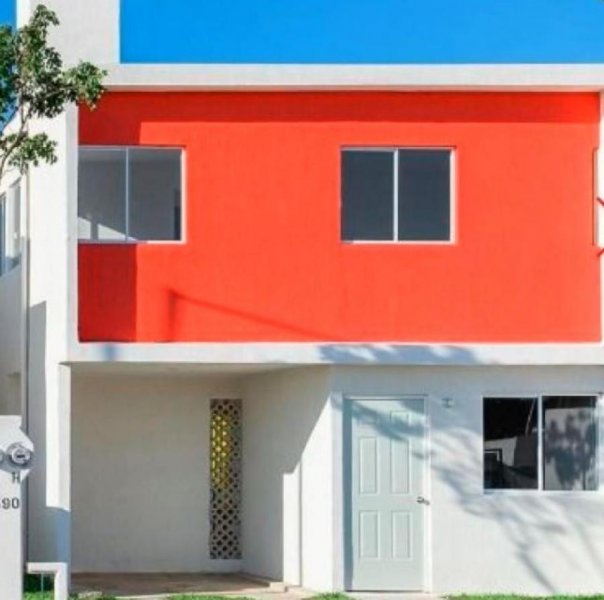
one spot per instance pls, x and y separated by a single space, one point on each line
11 210
3 234
599 454
453 185
183 196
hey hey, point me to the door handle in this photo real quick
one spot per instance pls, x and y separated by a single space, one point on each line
422 500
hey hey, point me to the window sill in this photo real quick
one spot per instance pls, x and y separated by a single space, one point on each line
537 493
399 242
131 242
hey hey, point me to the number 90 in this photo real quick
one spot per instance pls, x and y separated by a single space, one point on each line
10 503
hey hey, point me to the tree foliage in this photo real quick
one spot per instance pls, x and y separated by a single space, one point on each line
35 85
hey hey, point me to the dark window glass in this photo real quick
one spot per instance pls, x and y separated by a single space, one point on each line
569 443
367 195
510 443
424 193
154 195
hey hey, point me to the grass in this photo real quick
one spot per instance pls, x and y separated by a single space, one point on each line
520 597
32 595
336 596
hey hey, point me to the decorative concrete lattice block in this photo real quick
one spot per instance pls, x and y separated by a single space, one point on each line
225 479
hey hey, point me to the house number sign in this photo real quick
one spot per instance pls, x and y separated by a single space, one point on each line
16 459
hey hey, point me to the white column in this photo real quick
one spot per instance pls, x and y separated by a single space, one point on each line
89 28
338 516
292 527
51 324
317 504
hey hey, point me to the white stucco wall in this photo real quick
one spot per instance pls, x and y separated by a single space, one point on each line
52 193
127 428
287 477
140 479
11 298
89 28
525 542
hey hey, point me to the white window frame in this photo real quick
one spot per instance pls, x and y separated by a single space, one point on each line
3 232
10 242
599 418
183 178
452 195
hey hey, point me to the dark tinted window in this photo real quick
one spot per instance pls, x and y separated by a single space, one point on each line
409 202
367 192
424 192
510 443
569 443
155 196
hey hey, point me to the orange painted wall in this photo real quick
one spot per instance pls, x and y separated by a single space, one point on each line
263 260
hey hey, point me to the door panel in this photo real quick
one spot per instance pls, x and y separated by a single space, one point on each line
385 452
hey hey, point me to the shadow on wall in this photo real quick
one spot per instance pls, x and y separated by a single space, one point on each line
47 526
394 354
529 523
107 292
543 529
109 306
570 446
318 107
179 304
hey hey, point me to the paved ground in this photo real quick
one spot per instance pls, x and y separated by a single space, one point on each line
158 585
155 585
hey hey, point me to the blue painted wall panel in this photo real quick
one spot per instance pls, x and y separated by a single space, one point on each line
363 31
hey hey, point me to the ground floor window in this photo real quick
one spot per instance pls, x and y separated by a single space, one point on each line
540 443
225 479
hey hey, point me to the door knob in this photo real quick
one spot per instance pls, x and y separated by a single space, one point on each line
422 500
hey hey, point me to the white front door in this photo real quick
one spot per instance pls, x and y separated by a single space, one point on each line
384 490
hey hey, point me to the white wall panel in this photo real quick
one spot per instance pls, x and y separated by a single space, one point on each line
524 541
140 479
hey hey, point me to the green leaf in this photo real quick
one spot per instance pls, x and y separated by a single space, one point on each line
35 85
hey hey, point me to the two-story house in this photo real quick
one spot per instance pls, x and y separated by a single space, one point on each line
316 295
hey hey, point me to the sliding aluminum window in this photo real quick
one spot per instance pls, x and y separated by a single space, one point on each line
396 194
547 442
130 194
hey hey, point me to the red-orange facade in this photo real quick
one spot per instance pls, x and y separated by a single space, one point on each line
262 257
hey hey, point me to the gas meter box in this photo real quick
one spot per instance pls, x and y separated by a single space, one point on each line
16 460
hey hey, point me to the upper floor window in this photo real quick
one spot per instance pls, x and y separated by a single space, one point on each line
541 443
129 194
396 195
10 229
